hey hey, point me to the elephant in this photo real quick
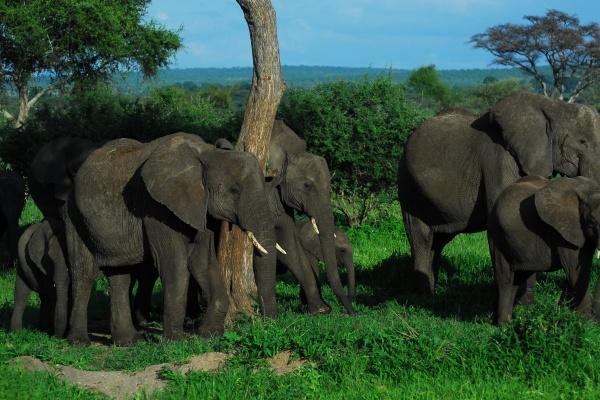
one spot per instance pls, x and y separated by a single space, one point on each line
306 188
290 254
456 164
539 225
42 268
309 242
134 202
12 202
52 172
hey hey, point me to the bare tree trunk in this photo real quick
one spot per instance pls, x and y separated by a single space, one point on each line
235 249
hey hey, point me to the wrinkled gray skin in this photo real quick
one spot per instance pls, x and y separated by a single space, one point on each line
42 269
306 188
309 241
12 201
295 260
133 202
541 225
456 164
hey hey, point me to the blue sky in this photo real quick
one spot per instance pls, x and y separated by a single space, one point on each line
353 33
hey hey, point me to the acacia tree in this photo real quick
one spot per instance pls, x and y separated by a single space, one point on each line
235 249
64 41
570 49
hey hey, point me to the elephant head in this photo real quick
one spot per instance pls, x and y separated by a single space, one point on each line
546 135
194 180
52 172
306 188
572 207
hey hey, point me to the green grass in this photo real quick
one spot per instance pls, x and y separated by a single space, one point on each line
401 345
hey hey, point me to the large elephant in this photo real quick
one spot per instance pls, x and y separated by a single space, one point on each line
133 202
455 165
540 225
306 188
42 268
12 201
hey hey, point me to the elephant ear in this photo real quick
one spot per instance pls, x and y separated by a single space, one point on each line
525 128
558 205
173 176
36 248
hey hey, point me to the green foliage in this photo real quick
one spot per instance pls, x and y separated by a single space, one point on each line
360 128
426 87
481 97
72 40
100 114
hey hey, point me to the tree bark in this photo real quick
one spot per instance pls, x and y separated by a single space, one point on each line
235 249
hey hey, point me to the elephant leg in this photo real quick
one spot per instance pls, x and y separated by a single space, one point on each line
121 325
22 292
146 277
420 237
205 270
526 294
578 279
83 279
440 240
507 290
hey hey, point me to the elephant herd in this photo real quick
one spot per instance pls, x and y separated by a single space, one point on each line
137 211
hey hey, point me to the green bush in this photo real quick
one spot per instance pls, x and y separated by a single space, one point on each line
102 114
360 128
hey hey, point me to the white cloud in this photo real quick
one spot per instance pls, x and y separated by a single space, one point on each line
162 16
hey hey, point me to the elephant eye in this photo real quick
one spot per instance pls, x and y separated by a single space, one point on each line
234 190
307 185
583 141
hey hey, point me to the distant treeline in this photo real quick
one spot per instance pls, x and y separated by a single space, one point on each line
308 76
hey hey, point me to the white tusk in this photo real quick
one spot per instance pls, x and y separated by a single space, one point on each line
280 249
598 253
313 221
334 235
257 244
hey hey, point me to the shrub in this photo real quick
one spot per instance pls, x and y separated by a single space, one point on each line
360 128
102 114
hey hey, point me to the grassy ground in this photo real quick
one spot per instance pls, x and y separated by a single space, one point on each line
401 345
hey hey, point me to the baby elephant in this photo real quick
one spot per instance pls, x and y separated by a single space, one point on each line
42 268
540 225
309 241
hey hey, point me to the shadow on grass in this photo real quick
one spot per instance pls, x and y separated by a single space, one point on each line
459 295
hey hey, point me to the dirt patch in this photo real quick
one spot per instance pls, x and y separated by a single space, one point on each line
283 364
121 385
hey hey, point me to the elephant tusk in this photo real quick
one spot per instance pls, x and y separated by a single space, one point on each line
257 244
280 249
334 235
313 221
597 253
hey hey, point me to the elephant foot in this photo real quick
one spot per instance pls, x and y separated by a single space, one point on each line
76 339
126 340
526 300
175 336
320 310
209 331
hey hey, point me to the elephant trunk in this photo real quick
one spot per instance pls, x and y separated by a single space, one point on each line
259 221
349 264
326 228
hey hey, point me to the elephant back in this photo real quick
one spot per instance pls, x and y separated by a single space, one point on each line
441 159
